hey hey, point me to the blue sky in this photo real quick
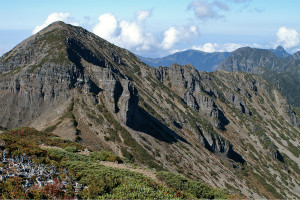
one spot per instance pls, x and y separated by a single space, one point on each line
160 27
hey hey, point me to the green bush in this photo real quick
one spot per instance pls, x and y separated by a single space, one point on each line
104 156
72 149
195 188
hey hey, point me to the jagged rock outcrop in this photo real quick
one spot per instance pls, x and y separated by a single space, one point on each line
197 94
217 144
238 103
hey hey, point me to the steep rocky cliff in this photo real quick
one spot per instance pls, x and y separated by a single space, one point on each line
230 130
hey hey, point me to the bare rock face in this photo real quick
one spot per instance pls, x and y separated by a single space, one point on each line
218 145
210 109
238 103
191 87
41 83
27 95
128 103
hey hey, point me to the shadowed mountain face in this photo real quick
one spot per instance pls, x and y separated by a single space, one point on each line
202 61
280 52
282 72
228 129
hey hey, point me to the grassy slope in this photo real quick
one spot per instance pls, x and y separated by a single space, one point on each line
102 182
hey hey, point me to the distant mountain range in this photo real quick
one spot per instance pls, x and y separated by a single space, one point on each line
202 61
276 66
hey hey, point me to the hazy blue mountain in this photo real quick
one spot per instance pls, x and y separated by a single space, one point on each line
202 61
280 52
246 59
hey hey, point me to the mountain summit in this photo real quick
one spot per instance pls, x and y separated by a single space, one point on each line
228 129
280 52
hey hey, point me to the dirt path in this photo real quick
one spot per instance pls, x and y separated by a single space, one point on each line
49 147
145 172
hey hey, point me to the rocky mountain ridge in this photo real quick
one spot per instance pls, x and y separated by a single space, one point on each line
202 61
282 72
221 128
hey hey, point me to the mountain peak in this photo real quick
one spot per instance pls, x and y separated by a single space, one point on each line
279 48
279 52
60 25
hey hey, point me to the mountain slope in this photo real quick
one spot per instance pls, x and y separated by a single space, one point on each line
49 167
221 128
283 73
202 61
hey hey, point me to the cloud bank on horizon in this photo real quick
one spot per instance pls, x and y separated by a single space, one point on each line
134 34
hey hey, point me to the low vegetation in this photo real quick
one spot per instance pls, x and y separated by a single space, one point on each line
97 181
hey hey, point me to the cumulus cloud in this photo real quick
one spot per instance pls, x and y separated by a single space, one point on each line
53 17
204 9
106 26
174 34
170 38
132 34
127 34
288 38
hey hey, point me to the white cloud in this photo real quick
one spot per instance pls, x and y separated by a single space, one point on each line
132 34
107 26
174 34
226 47
203 9
170 38
142 15
215 47
288 38
127 34
177 50
213 9
53 17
